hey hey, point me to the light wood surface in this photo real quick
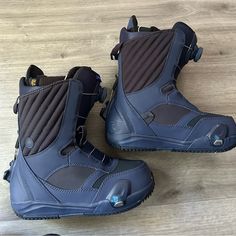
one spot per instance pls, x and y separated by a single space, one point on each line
195 194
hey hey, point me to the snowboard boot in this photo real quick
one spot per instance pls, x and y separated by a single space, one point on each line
57 172
146 110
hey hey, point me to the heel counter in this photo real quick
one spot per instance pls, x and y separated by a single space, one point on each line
25 186
116 123
19 192
123 121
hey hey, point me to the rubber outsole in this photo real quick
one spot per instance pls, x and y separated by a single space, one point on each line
135 149
88 214
136 142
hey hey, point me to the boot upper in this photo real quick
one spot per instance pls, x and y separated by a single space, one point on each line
149 62
52 111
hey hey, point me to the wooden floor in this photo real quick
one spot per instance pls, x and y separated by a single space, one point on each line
195 194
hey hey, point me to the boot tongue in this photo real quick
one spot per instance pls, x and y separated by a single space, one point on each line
90 81
33 75
91 90
190 50
132 24
189 33
190 41
87 76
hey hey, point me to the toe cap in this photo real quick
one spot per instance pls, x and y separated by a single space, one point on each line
213 134
133 179
207 125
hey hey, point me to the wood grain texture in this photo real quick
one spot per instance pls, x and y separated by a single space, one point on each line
195 194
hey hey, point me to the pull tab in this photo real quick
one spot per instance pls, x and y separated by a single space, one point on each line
115 51
132 24
15 107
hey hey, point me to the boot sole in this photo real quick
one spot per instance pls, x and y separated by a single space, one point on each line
137 149
36 209
143 143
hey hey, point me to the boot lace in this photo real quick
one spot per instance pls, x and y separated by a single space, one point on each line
87 147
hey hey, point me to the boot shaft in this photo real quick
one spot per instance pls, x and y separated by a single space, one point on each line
57 172
148 55
150 60
51 108
154 115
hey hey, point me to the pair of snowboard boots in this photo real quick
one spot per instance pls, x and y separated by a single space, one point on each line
57 172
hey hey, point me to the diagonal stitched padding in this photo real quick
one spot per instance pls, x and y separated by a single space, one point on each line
151 70
21 108
144 56
52 126
27 105
135 54
169 114
42 111
49 113
143 59
36 104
